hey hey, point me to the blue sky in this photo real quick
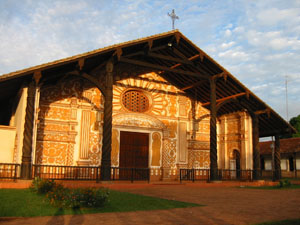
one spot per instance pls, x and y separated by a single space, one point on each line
257 41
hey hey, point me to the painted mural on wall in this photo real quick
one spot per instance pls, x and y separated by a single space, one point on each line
71 118
68 114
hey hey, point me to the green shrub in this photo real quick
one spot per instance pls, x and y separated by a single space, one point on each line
42 186
58 196
63 197
92 197
86 197
284 183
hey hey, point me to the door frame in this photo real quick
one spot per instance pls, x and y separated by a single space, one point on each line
149 143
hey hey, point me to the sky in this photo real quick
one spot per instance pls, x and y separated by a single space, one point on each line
256 41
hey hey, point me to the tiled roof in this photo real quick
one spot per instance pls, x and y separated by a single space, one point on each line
183 64
288 145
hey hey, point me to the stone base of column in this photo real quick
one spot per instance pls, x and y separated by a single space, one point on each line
26 171
166 174
256 174
105 173
214 174
83 162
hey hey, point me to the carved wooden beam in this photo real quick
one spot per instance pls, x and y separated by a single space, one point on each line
267 110
90 78
255 146
223 74
220 104
194 85
277 166
202 117
81 63
275 132
169 58
188 59
37 75
118 52
177 37
107 124
143 52
248 94
226 98
213 132
98 68
162 68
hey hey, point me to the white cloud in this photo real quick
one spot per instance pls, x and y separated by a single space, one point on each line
227 33
257 41
273 16
227 45
234 54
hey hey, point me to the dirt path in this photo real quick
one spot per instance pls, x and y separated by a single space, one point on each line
223 205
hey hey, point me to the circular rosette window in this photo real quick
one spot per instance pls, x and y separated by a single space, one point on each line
135 101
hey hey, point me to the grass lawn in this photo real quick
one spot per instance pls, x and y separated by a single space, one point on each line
282 222
24 203
293 186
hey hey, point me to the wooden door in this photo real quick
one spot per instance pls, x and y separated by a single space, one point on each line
134 150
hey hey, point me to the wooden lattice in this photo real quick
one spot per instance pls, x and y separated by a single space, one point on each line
135 101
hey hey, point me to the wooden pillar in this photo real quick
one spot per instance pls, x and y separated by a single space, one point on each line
107 124
295 164
277 166
256 152
213 132
26 166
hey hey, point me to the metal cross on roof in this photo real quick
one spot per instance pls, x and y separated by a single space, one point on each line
173 17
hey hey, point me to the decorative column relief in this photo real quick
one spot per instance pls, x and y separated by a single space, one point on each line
156 146
84 138
115 147
182 142
182 106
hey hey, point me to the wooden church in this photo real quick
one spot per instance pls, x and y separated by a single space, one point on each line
158 102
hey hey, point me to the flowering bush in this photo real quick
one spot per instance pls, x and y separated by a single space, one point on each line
63 197
58 196
42 186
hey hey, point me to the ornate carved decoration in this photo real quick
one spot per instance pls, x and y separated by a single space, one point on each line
115 148
156 145
135 101
137 120
172 127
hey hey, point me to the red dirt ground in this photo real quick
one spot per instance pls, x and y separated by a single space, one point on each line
223 205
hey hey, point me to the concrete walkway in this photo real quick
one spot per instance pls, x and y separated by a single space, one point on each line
223 205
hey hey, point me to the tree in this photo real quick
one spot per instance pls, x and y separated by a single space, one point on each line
295 122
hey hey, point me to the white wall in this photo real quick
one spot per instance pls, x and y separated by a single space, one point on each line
7 143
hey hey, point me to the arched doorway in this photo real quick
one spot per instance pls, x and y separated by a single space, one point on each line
235 164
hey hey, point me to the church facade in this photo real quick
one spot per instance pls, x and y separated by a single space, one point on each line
151 120
69 123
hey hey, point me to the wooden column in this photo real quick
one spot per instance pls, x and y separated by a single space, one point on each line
256 152
277 166
295 164
213 132
107 124
26 166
